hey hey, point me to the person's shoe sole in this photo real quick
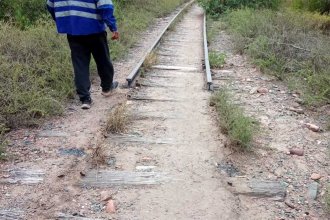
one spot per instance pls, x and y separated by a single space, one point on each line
108 93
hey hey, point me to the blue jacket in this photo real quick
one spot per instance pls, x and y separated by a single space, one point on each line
82 17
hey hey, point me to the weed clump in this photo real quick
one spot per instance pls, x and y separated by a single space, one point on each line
217 60
117 119
150 60
239 127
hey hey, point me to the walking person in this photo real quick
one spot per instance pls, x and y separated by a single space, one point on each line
84 22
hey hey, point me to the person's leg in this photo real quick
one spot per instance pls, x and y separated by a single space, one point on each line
100 51
80 55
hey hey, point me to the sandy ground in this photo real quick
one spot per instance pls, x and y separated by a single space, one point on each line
186 139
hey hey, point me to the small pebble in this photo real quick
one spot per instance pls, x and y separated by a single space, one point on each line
296 151
312 127
315 176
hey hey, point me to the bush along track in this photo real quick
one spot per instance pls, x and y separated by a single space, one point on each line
35 65
233 122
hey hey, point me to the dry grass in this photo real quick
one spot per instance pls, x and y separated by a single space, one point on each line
117 120
150 60
99 155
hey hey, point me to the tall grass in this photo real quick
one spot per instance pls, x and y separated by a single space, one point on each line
118 119
35 65
293 46
35 72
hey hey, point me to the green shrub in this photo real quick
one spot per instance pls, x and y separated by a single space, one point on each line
322 6
217 7
288 45
240 128
217 60
23 13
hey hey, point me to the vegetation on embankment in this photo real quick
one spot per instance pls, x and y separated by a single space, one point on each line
291 44
35 66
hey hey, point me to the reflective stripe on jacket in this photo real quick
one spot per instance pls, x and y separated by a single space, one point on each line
82 17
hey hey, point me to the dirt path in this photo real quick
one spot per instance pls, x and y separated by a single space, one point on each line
42 178
176 140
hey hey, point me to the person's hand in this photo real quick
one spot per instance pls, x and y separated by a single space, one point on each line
115 35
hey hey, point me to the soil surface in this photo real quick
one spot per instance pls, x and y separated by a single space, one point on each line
175 136
283 126
172 162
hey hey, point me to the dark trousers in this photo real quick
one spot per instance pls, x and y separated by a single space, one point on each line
82 47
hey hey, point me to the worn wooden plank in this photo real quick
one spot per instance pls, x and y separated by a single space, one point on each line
66 216
11 214
151 99
149 83
162 76
22 176
176 68
155 115
138 139
181 68
258 188
108 178
51 133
